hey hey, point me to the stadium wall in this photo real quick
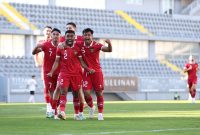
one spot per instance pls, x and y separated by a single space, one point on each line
4 89
14 90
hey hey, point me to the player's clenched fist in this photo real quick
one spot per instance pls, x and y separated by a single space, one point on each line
49 74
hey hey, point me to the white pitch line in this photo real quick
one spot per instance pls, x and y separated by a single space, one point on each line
143 131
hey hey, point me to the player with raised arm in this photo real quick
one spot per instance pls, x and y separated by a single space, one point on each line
191 68
70 75
49 48
47 37
39 61
90 52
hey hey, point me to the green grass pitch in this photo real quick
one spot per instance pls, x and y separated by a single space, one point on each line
121 118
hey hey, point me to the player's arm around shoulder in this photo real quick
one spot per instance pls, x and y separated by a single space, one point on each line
184 69
61 45
38 48
187 68
83 64
107 48
55 66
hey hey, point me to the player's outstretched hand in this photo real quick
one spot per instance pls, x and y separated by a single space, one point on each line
49 74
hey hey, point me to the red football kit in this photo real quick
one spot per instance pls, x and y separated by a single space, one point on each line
70 72
39 56
192 73
90 55
49 57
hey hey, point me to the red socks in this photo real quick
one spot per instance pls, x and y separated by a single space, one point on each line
100 103
63 101
89 101
54 106
76 105
46 96
193 93
81 107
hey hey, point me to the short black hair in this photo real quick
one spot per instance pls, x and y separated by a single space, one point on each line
71 23
48 27
56 29
69 31
33 76
88 30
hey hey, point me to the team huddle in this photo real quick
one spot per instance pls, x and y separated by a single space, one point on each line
72 62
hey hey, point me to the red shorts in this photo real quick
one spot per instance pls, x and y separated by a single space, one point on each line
192 81
66 81
95 81
50 82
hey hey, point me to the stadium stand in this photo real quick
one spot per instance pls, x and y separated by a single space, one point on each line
167 25
107 21
136 67
25 66
18 66
4 24
179 62
153 75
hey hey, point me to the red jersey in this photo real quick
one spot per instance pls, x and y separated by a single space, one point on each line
49 57
39 56
192 73
91 55
69 62
77 39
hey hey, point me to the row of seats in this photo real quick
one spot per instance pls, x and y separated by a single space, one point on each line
4 24
132 67
107 21
181 63
111 67
167 25
19 66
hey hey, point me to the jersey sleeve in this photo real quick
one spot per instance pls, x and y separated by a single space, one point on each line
79 44
77 48
44 46
187 66
79 52
98 46
197 66
58 52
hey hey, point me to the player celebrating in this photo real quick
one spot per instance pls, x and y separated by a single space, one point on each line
39 60
90 52
191 68
47 37
70 75
49 48
72 26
